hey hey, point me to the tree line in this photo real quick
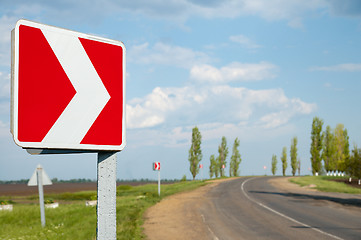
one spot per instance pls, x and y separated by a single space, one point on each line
330 152
295 160
332 147
217 164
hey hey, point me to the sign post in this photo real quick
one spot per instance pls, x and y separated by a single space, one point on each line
159 183
265 170
40 178
201 167
106 207
41 196
68 96
156 167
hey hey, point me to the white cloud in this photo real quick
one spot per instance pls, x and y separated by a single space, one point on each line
166 54
180 136
282 117
244 41
175 10
166 116
233 72
345 67
214 104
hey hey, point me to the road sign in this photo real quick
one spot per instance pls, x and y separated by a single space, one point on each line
156 166
34 178
68 89
40 178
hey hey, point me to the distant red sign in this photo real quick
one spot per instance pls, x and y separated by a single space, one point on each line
156 166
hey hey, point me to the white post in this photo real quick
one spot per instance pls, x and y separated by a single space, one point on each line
158 182
39 173
106 207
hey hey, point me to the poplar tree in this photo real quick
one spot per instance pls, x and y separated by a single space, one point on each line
212 164
293 155
342 152
235 159
284 161
299 166
223 152
195 152
328 152
274 164
216 167
316 145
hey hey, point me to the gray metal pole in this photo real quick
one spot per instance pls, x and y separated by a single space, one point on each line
106 207
158 182
39 173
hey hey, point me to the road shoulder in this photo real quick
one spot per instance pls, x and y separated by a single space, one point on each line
350 202
178 216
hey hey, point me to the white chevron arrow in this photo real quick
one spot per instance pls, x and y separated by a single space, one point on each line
91 95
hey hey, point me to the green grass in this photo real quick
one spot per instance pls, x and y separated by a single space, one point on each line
73 221
325 184
76 221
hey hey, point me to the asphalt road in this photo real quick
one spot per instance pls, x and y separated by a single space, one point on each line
251 208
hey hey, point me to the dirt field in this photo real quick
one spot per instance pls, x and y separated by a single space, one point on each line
24 190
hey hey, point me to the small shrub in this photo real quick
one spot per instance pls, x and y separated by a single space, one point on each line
48 201
6 202
184 178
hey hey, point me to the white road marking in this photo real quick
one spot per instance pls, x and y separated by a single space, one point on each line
209 229
284 216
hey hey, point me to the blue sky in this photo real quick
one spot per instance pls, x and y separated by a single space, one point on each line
259 70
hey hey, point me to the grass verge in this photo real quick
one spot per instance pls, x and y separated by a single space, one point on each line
76 221
325 184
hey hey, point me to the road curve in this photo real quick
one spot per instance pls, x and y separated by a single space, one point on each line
251 208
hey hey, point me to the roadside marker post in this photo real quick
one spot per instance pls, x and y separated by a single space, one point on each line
68 96
201 167
41 196
106 192
159 182
156 167
265 170
40 178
